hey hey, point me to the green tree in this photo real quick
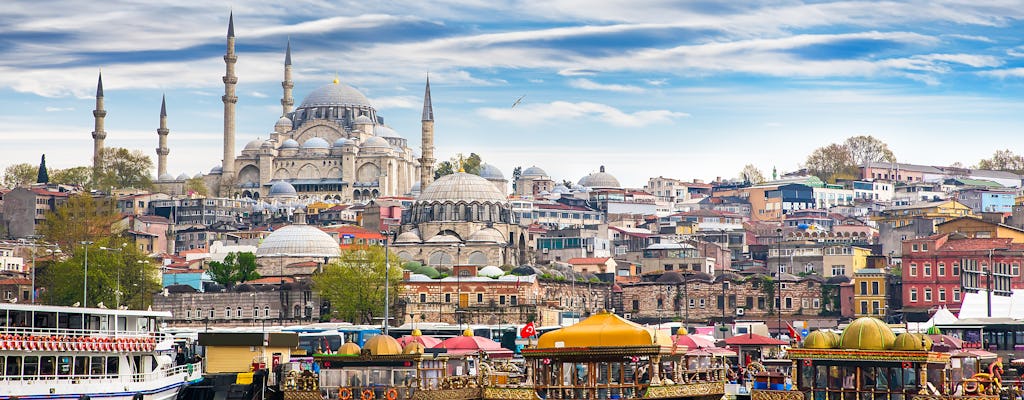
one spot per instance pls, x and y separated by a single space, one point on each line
72 176
237 267
197 186
126 274
469 165
516 173
42 176
121 168
19 175
866 148
751 174
831 162
1003 160
355 284
81 218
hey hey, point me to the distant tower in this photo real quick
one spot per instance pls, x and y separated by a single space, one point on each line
227 177
162 151
98 134
287 101
427 157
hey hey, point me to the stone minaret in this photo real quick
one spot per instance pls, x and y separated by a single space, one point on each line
227 177
162 151
98 134
287 101
427 157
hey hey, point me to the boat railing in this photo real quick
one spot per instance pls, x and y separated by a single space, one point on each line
372 392
37 341
20 330
181 371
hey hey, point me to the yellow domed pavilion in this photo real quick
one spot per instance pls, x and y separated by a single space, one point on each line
603 329
349 349
912 342
413 348
383 345
867 333
821 339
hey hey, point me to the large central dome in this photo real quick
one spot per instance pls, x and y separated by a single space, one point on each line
335 94
461 186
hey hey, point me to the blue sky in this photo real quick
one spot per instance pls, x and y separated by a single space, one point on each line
684 89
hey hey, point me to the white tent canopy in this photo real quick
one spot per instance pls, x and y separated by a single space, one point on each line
941 317
975 305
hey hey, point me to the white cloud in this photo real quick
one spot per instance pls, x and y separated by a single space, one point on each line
1017 52
258 95
656 82
1004 73
588 84
58 109
563 110
576 72
396 102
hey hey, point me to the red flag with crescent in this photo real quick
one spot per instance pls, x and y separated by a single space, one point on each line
528 330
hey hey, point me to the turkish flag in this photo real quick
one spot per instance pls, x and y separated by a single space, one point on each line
528 330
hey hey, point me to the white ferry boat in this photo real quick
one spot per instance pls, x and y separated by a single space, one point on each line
51 352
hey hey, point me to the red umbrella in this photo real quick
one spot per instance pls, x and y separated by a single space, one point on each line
753 339
417 336
692 341
469 344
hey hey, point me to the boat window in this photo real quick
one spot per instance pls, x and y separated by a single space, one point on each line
81 365
31 365
64 365
96 366
13 365
895 379
111 365
807 375
910 378
2 365
46 366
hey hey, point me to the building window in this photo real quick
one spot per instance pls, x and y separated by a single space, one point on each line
927 269
924 246
956 295
838 270
956 269
913 248
501 300
661 303
514 300
942 269
227 312
913 295
479 297
447 297
863 288
816 302
212 314
702 304
238 312
874 288
693 303
188 314
423 297
266 312
789 303
1015 271
760 303
928 294
913 269
942 294
636 305
255 312
874 307
864 307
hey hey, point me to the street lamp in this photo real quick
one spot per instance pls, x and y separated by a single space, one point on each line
117 293
387 277
142 272
35 246
85 280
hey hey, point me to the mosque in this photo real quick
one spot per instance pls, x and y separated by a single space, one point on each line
334 146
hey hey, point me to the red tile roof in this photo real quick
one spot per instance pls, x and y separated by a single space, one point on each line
16 281
976 244
271 280
588 260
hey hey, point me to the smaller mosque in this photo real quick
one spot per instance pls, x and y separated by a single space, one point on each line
462 219
296 249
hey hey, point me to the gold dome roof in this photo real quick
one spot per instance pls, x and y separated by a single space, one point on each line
821 339
416 332
867 333
912 342
413 348
603 329
383 345
349 349
681 331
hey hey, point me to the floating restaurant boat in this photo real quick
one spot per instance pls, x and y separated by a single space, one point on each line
50 352
869 362
383 369
607 357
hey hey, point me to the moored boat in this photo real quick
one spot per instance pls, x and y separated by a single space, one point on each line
53 352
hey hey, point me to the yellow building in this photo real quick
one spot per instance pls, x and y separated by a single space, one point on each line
869 293
938 212
843 260
977 228
234 352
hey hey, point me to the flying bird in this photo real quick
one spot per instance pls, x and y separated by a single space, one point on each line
519 100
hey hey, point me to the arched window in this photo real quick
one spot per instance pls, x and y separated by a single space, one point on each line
227 312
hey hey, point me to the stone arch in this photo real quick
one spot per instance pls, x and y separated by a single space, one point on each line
308 171
282 174
249 174
368 172
440 259
404 255
356 196
246 194
333 173
477 258
328 130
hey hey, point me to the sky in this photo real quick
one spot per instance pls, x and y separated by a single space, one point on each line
681 89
